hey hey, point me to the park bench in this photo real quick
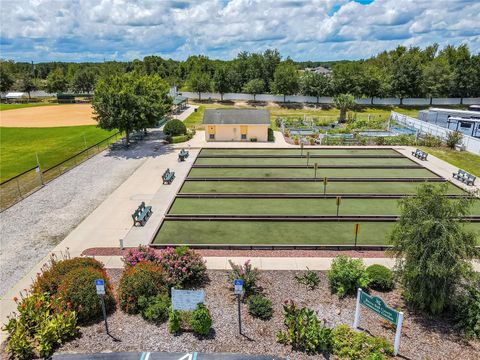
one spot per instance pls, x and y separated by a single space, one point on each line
168 176
422 155
141 215
464 177
182 155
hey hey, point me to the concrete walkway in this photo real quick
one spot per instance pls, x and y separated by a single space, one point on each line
186 113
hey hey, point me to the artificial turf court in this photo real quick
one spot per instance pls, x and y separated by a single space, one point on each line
261 201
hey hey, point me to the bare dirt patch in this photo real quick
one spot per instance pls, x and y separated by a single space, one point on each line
48 116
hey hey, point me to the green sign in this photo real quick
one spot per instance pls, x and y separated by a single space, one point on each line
377 305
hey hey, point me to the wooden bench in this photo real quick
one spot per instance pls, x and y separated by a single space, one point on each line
422 155
464 177
182 155
168 176
141 215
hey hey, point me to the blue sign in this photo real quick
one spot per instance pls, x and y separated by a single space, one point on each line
238 286
100 285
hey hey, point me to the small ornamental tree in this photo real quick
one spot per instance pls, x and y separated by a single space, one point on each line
130 102
343 102
433 248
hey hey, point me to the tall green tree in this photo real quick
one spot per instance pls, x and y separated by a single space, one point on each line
437 78
254 87
374 81
57 82
285 79
84 81
221 81
432 247
130 102
6 80
200 82
313 84
407 75
347 78
343 102
27 84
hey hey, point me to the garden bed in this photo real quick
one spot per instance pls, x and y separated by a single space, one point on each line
422 337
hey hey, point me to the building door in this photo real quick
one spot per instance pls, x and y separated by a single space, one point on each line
243 132
211 132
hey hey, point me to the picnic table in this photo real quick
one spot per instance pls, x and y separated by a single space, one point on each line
182 155
168 176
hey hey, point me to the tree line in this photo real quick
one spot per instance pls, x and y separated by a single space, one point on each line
402 72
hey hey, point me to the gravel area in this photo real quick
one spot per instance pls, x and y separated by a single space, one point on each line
34 226
422 338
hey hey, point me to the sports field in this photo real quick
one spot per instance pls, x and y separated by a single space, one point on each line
270 196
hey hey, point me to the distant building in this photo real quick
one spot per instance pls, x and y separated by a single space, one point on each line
319 70
466 121
236 124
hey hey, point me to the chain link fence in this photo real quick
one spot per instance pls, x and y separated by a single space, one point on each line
22 185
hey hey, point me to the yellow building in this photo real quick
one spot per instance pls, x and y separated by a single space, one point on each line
236 124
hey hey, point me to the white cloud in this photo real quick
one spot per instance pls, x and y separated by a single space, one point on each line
302 29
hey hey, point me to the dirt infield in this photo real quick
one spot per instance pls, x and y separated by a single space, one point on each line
48 116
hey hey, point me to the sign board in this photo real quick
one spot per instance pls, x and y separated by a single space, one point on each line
100 285
238 286
187 299
375 304
378 306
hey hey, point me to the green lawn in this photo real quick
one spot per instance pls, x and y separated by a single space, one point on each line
4 107
19 145
281 152
270 232
303 161
258 187
187 206
309 173
462 159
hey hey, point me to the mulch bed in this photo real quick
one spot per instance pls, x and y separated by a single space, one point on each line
111 251
422 337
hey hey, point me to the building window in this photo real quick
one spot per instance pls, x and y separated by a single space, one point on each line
244 136
212 136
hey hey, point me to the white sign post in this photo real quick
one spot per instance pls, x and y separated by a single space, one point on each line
100 286
376 305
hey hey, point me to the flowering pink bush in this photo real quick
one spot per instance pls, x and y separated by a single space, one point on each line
247 273
142 253
183 267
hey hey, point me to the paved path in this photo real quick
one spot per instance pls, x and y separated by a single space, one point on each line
186 113
163 356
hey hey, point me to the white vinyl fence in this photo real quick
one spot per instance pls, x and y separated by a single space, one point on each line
470 143
329 100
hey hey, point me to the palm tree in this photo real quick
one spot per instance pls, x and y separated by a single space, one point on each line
343 102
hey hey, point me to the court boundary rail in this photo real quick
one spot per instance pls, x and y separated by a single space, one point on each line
309 166
21 186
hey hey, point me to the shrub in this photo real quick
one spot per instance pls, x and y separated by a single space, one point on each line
467 311
78 292
174 127
144 279
201 320
309 278
39 327
430 141
51 276
142 253
247 273
351 344
380 277
453 139
174 322
260 307
179 139
155 308
346 275
304 330
183 267
271 136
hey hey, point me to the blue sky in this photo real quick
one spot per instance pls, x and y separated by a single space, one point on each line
97 30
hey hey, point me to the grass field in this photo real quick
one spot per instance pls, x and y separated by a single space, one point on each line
309 173
462 159
281 152
187 206
4 107
18 146
270 232
258 187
